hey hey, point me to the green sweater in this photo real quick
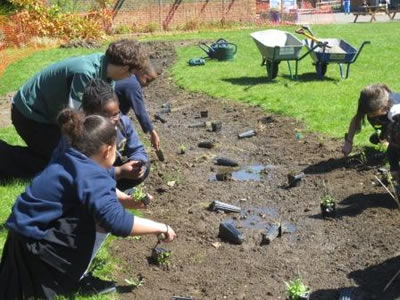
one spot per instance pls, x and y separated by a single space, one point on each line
59 86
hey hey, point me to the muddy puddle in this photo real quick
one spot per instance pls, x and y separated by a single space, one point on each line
255 172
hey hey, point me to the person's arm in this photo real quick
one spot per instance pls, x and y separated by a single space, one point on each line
128 202
130 95
349 136
102 203
145 226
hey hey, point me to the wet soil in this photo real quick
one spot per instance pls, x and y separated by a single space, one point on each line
358 249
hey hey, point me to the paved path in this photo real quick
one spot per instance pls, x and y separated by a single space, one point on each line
341 18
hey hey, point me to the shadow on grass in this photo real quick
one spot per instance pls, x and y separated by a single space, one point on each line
368 158
3 227
249 81
307 77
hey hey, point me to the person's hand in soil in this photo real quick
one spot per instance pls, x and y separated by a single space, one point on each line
132 169
155 140
170 234
348 144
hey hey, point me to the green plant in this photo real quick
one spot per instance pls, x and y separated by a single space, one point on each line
139 193
135 283
123 29
182 149
296 289
164 258
150 28
327 200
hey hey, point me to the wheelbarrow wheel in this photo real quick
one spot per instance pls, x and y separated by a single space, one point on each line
272 69
321 68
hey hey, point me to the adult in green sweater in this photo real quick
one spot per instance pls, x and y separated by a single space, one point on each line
37 103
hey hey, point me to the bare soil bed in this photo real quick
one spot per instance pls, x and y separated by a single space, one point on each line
359 249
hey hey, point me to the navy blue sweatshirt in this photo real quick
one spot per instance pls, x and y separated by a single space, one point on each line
71 183
128 145
130 95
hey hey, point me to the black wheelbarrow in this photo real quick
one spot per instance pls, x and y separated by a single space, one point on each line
330 51
221 50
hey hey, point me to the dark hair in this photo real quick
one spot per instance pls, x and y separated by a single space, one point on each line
86 134
128 53
372 98
96 95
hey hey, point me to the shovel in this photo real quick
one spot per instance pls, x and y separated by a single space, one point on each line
310 35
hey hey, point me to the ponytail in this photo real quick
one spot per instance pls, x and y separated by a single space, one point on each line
86 134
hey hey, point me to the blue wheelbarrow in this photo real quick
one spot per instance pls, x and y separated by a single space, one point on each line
330 51
221 50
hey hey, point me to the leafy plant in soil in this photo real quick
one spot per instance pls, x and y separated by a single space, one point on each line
328 206
161 257
182 149
297 290
135 283
139 193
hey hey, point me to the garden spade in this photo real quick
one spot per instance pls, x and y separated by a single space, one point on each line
391 281
160 238
387 190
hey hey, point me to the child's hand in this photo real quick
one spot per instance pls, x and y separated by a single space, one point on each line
155 140
132 169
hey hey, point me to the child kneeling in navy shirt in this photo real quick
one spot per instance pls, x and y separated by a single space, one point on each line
52 226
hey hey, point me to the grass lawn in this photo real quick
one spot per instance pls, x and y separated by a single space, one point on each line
325 105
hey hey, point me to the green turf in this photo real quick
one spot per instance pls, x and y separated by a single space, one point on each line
325 105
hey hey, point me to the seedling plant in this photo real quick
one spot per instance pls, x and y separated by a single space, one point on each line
297 290
139 193
164 258
327 200
135 283
182 149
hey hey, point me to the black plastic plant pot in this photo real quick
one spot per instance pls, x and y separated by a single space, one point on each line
229 233
204 113
328 210
216 126
247 134
222 161
273 232
223 176
160 155
346 294
156 252
218 205
302 297
197 125
206 144
182 298
294 179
